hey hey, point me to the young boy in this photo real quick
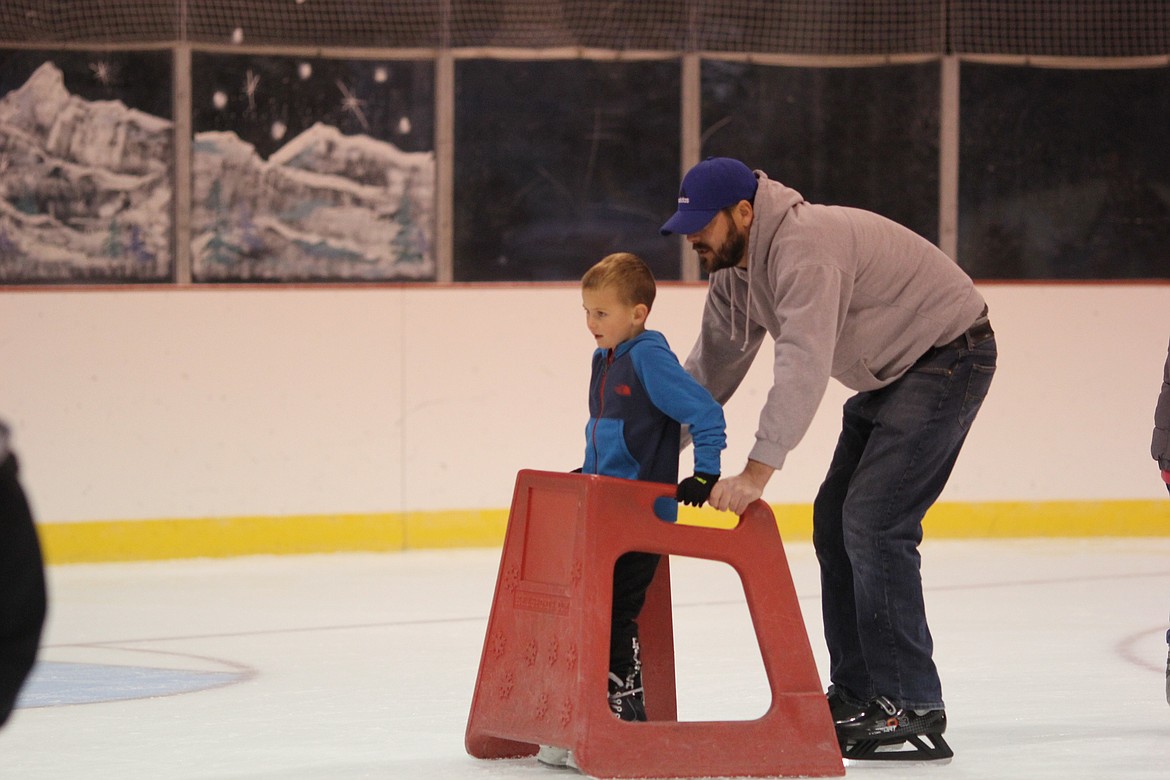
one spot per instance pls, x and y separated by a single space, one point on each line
639 397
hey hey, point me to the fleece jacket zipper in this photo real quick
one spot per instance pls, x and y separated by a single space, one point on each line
600 408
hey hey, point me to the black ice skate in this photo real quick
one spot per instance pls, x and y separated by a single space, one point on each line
839 708
883 731
625 697
625 694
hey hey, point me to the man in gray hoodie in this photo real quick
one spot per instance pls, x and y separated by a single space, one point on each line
1160 445
848 294
1160 449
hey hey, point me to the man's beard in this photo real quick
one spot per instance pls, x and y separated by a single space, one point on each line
728 255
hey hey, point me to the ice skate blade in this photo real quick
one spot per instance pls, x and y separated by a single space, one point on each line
878 766
555 757
923 749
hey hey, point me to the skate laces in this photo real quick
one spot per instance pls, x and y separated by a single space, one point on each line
631 686
623 688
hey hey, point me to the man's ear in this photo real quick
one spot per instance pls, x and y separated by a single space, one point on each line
746 213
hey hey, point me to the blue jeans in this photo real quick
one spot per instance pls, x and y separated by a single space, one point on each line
897 447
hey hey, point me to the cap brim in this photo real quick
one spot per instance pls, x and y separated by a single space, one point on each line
686 222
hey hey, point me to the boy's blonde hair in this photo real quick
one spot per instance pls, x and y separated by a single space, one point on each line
627 274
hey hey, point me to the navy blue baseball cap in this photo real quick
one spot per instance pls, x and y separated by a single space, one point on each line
707 189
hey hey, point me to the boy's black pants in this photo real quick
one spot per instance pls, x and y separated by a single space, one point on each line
632 575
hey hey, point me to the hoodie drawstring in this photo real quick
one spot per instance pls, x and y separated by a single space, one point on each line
746 315
732 336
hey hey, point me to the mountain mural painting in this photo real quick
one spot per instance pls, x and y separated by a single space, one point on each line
311 169
88 178
324 207
86 187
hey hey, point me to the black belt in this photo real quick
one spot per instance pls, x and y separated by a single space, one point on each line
976 334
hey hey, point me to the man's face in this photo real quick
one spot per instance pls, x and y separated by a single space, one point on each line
721 244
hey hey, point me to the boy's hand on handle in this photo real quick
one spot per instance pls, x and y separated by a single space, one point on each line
694 491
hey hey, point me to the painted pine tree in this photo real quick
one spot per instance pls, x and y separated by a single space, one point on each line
408 240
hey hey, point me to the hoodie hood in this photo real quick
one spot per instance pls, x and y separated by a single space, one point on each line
628 344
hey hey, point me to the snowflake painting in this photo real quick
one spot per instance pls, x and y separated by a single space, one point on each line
307 169
86 167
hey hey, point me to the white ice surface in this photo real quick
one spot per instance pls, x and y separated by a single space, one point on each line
362 666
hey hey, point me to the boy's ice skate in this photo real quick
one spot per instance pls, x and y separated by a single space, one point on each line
883 731
625 697
625 693
625 701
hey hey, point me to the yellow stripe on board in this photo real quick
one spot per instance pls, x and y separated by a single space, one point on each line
148 540
1049 518
991 520
144 540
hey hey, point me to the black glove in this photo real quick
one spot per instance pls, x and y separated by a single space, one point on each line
694 490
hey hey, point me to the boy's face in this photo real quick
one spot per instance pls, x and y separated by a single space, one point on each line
609 319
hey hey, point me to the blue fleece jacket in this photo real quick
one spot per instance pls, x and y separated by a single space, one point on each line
639 397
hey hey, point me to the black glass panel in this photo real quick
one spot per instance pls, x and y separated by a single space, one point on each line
864 137
558 163
1064 174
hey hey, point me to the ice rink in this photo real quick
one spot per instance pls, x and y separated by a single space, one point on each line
1052 654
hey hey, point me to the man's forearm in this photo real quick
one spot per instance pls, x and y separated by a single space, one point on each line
759 473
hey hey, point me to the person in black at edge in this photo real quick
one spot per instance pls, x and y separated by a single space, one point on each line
22 583
1160 449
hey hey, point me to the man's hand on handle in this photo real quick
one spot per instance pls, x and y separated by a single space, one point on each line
733 494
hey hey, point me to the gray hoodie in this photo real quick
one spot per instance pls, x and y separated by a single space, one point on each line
844 293
1160 446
